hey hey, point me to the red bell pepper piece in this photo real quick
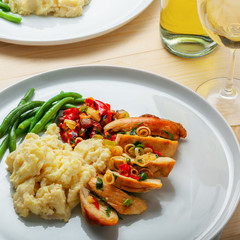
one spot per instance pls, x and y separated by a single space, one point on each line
154 151
72 135
103 108
113 137
71 114
108 136
126 172
136 177
96 203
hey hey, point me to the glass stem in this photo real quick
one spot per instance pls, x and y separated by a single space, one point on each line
228 90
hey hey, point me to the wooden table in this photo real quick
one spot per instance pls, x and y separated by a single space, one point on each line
137 45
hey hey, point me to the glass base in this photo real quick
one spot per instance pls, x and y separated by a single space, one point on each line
227 103
186 45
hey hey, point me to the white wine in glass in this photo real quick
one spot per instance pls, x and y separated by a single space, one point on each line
221 20
181 31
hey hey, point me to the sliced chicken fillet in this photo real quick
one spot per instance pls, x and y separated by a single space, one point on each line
104 216
118 199
166 147
132 185
159 127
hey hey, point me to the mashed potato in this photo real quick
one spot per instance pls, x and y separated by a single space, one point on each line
47 174
57 8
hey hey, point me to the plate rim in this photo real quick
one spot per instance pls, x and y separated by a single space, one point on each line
233 202
68 40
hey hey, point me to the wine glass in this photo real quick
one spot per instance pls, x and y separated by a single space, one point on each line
221 20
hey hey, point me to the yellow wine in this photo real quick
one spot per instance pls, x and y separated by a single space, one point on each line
222 27
181 30
181 16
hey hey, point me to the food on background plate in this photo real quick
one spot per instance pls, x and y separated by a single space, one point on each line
80 159
57 8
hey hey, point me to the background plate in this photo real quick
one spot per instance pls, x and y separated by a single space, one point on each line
98 18
198 197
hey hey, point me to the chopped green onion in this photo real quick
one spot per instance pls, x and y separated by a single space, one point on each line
115 176
127 202
143 176
122 132
99 183
97 131
72 140
108 211
82 132
133 131
99 199
138 144
83 109
170 134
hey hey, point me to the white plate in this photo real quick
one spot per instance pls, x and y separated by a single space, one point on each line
98 18
201 192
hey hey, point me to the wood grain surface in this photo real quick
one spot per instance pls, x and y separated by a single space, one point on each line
137 45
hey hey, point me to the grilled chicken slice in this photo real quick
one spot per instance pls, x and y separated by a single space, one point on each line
160 167
159 127
96 212
118 199
166 147
132 185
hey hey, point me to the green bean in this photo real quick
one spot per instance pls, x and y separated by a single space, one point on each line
50 114
12 133
14 115
4 6
20 132
5 142
26 123
28 114
13 137
68 105
74 103
78 100
27 96
50 122
44 108
10 17
3 146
